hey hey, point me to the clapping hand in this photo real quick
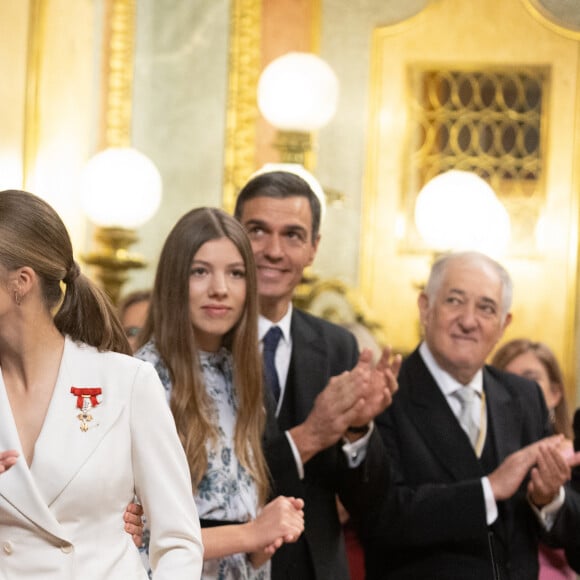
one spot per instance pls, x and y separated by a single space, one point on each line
552 470
376 386
548 462
350 399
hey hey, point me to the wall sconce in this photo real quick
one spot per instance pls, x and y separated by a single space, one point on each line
297 94
121 190
458 210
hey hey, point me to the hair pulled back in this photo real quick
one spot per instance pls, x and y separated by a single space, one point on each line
32 234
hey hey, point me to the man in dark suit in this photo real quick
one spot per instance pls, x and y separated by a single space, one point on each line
475 483
324 442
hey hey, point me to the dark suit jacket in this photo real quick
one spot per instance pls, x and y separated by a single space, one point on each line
433 525
320 350
571 521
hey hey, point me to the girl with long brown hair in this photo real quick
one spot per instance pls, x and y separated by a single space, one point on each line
201 336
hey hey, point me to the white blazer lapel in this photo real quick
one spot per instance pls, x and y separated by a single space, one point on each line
17 486
61 435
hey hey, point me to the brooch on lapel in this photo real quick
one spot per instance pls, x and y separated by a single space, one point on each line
86 400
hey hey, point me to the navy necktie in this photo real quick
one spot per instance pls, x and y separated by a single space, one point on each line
270 343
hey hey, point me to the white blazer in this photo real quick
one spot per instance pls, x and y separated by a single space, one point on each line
63 518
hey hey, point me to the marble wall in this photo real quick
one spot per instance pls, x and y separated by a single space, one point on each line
179 104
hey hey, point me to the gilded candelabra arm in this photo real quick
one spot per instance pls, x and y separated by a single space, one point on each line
103 174
312 290
113 260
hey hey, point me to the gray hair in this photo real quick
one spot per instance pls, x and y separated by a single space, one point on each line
439 269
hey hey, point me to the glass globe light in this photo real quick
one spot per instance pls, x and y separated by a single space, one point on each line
120 187
458 210
298 92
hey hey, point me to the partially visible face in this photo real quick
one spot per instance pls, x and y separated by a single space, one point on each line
217 292
463 322
530 366
133 320
280 231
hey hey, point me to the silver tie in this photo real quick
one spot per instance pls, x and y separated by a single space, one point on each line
466 397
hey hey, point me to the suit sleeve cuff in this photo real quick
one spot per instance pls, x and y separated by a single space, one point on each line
547 515
356 451
296 454
491 512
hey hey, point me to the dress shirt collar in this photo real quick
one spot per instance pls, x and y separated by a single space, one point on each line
446 383
284 324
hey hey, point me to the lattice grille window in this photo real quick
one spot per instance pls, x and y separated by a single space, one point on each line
490 121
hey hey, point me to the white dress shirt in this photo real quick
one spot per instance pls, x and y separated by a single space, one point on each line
355 452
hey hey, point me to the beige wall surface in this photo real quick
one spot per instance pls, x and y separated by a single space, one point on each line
47 108
14 32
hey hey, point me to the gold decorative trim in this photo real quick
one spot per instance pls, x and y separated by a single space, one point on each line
572 330
118 62
311 157
371 241
540 14
316 25
112 259
36 41
369 202
312 288
242 109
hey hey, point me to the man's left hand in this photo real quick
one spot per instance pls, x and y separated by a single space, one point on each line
377 385
551 472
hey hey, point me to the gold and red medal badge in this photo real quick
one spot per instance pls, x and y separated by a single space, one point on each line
86 400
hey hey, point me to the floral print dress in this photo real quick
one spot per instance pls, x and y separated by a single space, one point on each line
226 492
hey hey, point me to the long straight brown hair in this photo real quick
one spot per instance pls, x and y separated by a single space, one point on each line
169 325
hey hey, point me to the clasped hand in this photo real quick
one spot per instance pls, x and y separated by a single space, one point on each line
280 521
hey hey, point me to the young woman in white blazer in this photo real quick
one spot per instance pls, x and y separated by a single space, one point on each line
88 425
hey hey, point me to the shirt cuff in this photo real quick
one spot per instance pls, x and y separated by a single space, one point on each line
356 451
490 503
296 453
547 515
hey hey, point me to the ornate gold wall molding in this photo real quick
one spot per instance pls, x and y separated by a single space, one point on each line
540 13
36 40
117 73
117 77
242 108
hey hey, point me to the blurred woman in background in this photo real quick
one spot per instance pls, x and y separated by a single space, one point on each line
535 361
